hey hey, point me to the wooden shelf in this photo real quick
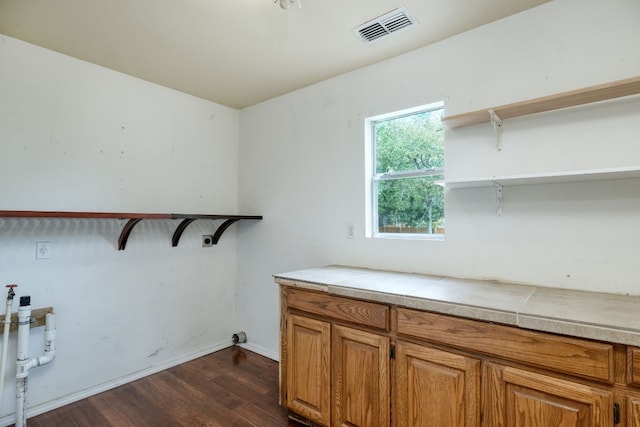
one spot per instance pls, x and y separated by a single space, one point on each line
548 178
135 218
572 98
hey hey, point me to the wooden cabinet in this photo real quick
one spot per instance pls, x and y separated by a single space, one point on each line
348 362
333 374
435 388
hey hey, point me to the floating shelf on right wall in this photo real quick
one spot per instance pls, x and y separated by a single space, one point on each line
496 115
548 178
603 92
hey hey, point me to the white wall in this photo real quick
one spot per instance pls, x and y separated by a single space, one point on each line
78 137
75 136
301 162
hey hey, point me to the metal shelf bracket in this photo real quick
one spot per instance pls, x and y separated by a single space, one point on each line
496 121
188 219
126 231
498 190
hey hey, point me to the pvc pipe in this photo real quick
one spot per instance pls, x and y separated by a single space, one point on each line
5 340
24 364
49 341
22 371
21 397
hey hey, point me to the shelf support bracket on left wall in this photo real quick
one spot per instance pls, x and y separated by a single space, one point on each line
179 230
222 228
126 231
188 219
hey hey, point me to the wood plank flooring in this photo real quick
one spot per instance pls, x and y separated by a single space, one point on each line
231 387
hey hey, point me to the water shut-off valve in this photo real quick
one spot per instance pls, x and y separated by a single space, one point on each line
11 293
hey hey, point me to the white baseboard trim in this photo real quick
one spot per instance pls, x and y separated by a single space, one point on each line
261 351
74 397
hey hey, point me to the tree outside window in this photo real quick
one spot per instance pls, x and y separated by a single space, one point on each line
409 166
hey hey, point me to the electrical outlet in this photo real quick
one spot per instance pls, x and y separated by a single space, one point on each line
43 250
350 231
207 240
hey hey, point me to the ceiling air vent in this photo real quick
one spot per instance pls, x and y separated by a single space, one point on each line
385 25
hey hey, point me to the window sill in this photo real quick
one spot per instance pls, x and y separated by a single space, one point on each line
409 236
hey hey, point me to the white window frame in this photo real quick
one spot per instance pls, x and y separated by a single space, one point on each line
372 179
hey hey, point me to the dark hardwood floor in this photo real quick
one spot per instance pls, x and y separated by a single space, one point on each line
231 387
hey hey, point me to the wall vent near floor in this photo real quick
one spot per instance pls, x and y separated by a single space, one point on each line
385 25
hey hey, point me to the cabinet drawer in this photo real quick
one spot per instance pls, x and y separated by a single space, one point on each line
573 356
360 312
518 397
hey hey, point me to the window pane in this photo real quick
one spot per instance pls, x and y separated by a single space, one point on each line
411 205
413 142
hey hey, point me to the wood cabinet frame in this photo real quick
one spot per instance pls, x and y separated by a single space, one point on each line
487 375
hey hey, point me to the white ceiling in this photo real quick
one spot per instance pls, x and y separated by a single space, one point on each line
236 52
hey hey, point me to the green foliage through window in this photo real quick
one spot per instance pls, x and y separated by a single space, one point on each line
409 163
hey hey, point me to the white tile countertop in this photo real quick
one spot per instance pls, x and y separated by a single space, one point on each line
600 316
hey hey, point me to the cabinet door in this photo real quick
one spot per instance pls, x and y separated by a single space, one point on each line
435 388
633 411
360 378
308 375
519 398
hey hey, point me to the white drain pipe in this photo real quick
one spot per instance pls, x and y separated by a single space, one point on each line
5 340
24 364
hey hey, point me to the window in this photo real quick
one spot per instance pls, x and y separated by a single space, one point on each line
405 171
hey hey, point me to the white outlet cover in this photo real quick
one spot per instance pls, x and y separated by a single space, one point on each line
350 231
43 250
